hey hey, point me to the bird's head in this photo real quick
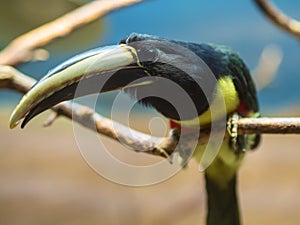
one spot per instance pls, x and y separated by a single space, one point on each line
146 67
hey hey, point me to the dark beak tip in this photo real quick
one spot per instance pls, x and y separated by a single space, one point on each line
23 125
25 121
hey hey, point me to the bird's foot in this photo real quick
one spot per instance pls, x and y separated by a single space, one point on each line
238 142
167 148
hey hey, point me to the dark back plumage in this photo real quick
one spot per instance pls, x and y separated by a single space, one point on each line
169 56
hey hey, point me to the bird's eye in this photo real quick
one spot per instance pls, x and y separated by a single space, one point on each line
147 55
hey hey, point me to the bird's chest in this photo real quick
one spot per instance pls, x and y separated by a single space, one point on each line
225 101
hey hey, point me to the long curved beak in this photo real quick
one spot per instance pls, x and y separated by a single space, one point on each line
101 70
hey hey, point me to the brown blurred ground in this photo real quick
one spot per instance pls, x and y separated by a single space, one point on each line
44 180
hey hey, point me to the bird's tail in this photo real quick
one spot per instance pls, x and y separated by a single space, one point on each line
222 203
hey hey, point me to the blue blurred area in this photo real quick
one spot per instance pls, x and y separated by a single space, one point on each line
238 24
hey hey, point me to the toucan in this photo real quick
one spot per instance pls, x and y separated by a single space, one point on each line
152 69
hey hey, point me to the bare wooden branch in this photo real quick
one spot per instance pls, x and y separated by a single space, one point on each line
138 141
23 48
269 125
12 79
283 21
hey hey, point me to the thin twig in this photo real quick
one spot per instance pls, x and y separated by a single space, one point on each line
283 21
23 48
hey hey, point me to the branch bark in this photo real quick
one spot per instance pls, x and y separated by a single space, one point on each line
12 79
269 125
283 21
23 48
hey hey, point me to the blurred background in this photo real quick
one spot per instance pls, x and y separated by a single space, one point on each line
45 180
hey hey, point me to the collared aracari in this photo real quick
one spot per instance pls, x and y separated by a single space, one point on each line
145 56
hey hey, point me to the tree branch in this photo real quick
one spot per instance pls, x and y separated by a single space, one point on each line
24 47
283 21
12 79
269 125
